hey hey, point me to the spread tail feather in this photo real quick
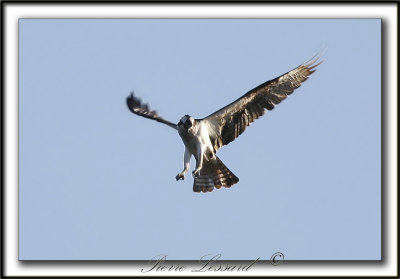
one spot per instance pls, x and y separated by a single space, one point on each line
214 174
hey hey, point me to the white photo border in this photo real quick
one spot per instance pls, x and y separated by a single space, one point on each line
13 11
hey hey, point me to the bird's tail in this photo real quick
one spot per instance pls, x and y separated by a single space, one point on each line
214 174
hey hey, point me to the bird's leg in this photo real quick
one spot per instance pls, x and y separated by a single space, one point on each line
199 160
186 165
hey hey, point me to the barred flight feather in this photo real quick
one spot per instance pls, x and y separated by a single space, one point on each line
214 174
232 120
226 124
136 106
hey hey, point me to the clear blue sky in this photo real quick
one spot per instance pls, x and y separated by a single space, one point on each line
97 182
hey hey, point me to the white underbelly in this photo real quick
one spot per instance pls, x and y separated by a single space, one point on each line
190 141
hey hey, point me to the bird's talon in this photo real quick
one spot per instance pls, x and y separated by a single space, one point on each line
179 176
196 174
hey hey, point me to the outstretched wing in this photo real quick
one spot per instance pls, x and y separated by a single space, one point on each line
231 121
136 106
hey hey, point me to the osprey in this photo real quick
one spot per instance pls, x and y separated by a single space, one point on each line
203 137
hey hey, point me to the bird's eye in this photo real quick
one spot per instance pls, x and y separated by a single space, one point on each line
188 123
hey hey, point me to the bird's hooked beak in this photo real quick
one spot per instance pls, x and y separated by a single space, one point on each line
187 124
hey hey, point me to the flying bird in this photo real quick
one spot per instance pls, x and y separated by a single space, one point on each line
204 137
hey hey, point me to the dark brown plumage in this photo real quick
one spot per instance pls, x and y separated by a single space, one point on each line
214 173
232 120
136 106
203 137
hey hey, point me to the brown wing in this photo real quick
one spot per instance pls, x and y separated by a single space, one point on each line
136 106
231 121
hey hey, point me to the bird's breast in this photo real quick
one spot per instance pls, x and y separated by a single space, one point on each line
189 140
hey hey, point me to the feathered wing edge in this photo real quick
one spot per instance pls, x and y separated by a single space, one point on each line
136 106
232 120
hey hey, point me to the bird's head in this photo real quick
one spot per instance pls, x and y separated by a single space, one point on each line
186 121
